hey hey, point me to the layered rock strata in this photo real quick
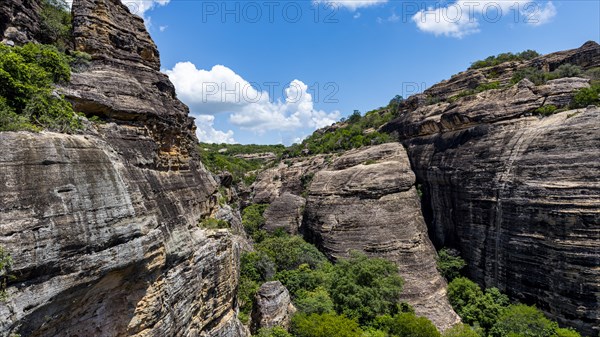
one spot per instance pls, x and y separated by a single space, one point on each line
366 201
103 226
272 307
516 192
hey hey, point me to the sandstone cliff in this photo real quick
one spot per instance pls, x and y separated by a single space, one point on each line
517 194
103 226
362 200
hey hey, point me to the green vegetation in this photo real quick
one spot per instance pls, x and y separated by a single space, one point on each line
222 157
505 57
237 149
274 332
212 223
253 221
365 288
352 132
324 325
56 24
586 96
546 110
593 74
449 263
27 99
538 76
490 314
5 264
523 320
357 296
474 306
461 330
407 325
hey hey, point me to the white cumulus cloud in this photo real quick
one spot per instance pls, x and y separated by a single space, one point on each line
462 17
542 15
352 4
208 134
221 90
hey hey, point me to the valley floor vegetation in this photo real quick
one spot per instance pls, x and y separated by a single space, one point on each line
358 296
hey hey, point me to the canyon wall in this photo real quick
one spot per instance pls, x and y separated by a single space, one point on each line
518 194
362 200
102 226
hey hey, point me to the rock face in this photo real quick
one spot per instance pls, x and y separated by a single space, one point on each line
273 307
518 194
19 21
285 212
124 84
367 201
103 226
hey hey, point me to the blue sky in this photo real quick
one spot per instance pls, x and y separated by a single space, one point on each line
272 72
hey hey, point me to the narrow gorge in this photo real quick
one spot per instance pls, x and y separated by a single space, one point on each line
109 230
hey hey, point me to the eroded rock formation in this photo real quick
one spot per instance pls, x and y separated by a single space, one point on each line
363 200
103 226
19 21
518 194
285 212
272 307
366 200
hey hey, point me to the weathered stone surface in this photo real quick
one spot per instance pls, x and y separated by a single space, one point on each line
102 227
272 307
124 83
101 247
367 201
285 212
290 176
19 21
518 194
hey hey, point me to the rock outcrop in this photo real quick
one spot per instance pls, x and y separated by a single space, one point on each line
19 21
517 194
272 307
124 84
366 200
103 226
285 212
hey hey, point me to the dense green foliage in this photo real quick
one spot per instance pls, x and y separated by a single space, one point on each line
546 110
27 100
222 157
474 306
324 325
449 263
56 24
365 288
406 324
587 96
5 264
357 290
504 57
491 314
523 320
253 221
